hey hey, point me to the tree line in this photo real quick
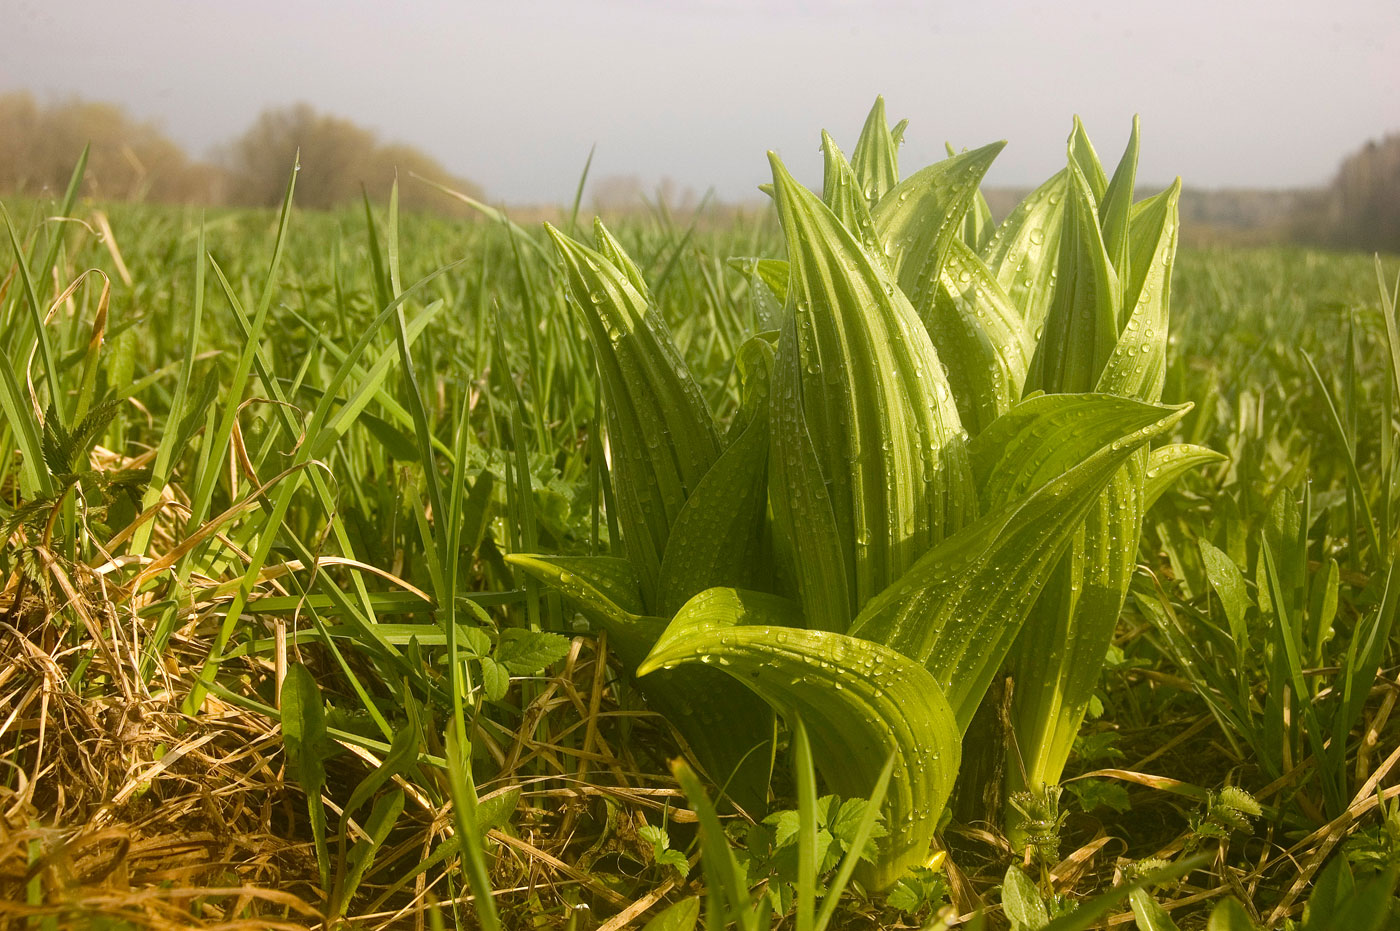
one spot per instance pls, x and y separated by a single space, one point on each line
135 161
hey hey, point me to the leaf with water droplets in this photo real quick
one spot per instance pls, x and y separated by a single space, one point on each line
849 204
718 537
961 606
920 218
1081 327
1166 464
860 701
1137 366
721 725
661 435
882 421
1117 204
980 337
1024 252
875 159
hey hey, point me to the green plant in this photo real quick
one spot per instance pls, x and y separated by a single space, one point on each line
918 502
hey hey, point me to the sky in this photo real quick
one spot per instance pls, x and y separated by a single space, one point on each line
513 94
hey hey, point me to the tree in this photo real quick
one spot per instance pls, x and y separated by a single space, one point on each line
338 159
129 160
1360 209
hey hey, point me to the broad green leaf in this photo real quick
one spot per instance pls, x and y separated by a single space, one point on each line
875 160
1228 915
1057 659
1021 901
842 193
1166 464
980 337
1117 204
1082 155
919 220
308 745
723 726
718 536
1148 915
961 606
660 434
1081 328
1137 365
877 405
861 702
1227 580
977 228
1024 252
806 537
682 916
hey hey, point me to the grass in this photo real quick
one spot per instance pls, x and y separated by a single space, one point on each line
253 448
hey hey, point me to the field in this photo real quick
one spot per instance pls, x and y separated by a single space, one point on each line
320 559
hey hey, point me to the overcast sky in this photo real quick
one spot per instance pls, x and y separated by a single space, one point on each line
512 94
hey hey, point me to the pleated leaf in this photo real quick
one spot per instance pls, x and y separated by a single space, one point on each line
842 193
977 228
919 220
1117 204
875 159
661 436
860 702
1081 327
882 420
718 538
808 542
959 609
1167 464
980 337
1024 252
722 725
1083 155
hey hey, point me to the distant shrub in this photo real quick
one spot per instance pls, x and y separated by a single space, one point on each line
130 160
338 159
1360 209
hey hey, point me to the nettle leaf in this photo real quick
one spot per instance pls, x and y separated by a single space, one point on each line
1024 251
860 700
528 652
662 437
881 418
960 607
495 679
308 745
875 160
730 733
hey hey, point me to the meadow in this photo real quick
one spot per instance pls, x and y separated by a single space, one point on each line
860 563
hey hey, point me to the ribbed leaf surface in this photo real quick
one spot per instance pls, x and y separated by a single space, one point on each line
959 609
882 421
876 156
721 725
660 434
1023 252
859 700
